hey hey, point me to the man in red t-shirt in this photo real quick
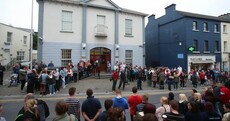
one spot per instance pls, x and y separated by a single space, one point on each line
133 101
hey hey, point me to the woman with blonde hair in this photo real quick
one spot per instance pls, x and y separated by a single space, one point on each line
183 108
163 108
199 101
31 112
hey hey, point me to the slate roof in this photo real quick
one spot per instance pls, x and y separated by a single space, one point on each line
194 15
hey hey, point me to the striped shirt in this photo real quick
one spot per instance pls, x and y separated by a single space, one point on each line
74 106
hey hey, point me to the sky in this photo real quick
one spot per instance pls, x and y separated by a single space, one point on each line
18 12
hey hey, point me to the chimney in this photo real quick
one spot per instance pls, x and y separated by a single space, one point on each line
151 18
170 8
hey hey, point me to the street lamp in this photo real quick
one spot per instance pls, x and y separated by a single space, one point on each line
31 35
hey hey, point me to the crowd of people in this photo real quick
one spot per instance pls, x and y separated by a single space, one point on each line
199 106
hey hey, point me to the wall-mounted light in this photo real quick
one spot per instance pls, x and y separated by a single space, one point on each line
40 40
180 43
117 47
83 46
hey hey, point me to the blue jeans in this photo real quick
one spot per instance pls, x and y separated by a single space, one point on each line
51 88
175 85
114 85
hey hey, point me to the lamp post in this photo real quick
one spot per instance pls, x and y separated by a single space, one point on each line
31 35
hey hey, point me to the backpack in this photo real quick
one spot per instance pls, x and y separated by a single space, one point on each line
43 110
224 95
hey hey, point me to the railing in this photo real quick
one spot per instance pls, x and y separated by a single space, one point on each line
11 63
101 30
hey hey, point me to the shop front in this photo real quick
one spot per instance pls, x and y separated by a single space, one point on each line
201 62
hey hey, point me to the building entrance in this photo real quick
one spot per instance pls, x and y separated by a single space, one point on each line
102 55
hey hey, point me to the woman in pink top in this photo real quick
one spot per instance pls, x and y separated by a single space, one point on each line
163 108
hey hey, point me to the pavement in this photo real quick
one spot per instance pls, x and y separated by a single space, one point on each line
101 87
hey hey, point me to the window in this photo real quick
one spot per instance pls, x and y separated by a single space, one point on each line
65 56
205 26
100 24
194 25
20 55
24 40
216 29
67 20
128 26
9 37
225 46
195 45
217 46
224 28
128 56
206 45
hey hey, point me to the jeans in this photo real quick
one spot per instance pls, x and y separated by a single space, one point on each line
22 84
51 88
139 84
175 85
123 83
114 85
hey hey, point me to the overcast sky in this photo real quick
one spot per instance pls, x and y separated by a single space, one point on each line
18 12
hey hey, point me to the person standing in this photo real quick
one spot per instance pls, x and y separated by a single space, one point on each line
61 109
164 108
120 102
43 82
22 77
122 79
51 65
226 116
51 82
74 103
108 104
57 80
1 110
139 78
115 77
174 115
75 73
133 100
42 106
2 69
216 91
31 81
91 107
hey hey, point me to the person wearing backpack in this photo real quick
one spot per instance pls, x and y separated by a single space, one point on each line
42 107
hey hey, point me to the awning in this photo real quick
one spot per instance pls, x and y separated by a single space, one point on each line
203 62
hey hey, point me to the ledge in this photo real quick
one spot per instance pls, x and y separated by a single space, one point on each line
129 36
62 31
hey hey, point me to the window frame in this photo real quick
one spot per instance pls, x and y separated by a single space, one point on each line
66 56
67 22
206 47
128 27
24 40
225 29
20 55
217 48
206 27
195 44
216 28
9 37
194 25
128 56
225 46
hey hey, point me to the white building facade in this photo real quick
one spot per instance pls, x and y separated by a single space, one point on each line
15 44
225 44
74 30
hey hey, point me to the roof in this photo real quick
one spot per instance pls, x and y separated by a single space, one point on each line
23 29
87 2
194 15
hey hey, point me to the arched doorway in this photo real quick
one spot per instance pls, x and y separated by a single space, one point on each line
101 54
